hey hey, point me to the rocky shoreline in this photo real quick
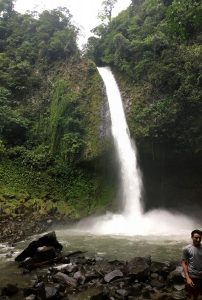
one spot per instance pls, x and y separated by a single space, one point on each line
13 230
75 276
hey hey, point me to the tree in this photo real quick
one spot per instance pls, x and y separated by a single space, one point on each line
6 7
184 18
106 14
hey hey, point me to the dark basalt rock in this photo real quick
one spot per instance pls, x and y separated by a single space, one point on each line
48 240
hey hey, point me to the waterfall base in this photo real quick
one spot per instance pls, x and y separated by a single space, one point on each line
155 222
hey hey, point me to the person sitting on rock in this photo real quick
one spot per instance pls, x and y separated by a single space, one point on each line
192 265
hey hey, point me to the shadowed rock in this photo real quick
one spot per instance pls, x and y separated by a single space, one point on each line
48 240
138 267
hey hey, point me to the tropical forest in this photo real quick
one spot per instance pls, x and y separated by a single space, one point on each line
57 158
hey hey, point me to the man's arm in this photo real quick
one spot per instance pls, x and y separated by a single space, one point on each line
186 273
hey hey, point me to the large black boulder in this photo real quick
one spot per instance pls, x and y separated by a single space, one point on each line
48 240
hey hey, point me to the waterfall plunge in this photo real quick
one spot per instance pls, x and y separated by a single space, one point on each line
131 184
131 221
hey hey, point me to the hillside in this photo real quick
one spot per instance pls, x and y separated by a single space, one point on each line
52 138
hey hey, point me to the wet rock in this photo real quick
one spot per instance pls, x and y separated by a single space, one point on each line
31 297
9 290
63 278
179 287
179 295
94 293
40 290
63 268
160 268
29 291
122 292
113 275
176 276
91 275
138 267
136 289
48 240
156 283
79 276
42 256
162 296
51 293
75 254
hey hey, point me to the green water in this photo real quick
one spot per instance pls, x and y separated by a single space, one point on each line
123 247
111 247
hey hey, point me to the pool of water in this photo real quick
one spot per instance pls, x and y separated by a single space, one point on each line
160 248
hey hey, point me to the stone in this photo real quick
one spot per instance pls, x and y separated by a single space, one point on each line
154 275
138 267
44 253
156 283
79 276
51 292
179 287
122 292
48 240
113 275
9 290
176 275
61 277
63 267
179 295
136 289
31 297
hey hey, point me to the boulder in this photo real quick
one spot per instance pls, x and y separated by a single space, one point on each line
48 240
138 268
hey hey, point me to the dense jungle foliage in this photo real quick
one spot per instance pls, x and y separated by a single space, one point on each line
50 115
154 47
52 135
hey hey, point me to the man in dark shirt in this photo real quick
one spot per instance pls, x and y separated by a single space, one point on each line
192 264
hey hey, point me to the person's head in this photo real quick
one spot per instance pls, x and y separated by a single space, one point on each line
196 237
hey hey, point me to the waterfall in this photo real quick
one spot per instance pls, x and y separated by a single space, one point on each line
131 184
131 221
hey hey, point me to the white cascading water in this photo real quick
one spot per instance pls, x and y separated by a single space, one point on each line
131 183
131 221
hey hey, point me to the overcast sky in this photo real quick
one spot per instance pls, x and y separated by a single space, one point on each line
84 11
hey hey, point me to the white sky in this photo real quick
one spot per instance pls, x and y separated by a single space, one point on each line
84 11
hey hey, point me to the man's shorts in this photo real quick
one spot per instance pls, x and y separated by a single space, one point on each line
197 288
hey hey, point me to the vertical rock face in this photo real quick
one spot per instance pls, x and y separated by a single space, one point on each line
105 117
